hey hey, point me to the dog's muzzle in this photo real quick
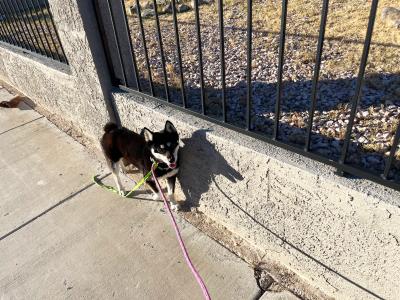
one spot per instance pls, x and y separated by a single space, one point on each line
171 160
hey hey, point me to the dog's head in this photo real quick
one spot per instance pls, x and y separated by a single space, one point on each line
164 145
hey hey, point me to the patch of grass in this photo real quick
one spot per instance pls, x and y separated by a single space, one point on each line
174 79
344 37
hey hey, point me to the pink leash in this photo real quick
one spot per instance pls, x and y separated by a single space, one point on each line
180 240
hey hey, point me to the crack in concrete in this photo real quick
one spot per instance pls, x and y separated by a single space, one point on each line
31 121
327 281
263 280
395 238
50 209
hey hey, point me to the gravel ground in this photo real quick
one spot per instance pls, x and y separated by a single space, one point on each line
377 116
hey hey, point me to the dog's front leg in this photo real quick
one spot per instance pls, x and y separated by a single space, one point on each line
171 181
154 189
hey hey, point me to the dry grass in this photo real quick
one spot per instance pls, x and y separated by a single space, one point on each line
346 26
174 75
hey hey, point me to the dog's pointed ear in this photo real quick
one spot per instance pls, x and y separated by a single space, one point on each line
148 135
169 127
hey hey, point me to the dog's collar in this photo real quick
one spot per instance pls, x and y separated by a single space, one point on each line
161 165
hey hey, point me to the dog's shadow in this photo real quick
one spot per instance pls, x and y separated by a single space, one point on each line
200 162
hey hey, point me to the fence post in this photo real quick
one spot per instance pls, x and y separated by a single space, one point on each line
87 11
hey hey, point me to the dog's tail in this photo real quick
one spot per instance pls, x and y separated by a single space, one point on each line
110 126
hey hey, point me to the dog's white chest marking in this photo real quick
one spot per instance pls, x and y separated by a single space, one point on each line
169 174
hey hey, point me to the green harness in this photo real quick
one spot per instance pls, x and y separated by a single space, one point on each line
113 189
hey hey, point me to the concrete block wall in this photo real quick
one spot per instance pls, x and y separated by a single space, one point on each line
75 92
338 235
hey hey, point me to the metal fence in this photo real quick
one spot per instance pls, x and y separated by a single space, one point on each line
122 56
29 24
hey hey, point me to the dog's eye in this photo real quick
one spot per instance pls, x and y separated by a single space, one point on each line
160 150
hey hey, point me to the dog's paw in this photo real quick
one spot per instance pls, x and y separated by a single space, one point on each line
121 193
174 206
156 197
172 203
171 197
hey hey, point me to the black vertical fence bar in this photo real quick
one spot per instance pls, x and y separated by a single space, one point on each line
161 48
222 56
146 54
118 10
18 27
5 33
320 46
51 42
249 50
178 53
103 23
53 54
280 69
116 40
12 34
59 44
33 29
360 80
202 91
25 24
131 50
121 47
12 27
28 32
4 36
40 32
390 159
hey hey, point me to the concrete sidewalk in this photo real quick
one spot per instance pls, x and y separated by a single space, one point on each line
62 237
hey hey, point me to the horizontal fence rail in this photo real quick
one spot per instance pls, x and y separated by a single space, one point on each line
29 24
176 92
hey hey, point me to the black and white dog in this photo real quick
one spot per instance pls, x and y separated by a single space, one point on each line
141 150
